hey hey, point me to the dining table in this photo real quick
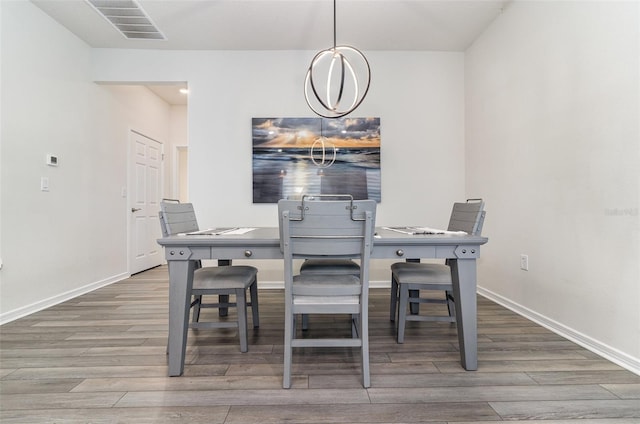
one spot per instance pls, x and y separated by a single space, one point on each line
182 251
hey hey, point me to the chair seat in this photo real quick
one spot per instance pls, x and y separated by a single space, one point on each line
326 300
421 273
224 277
326 285
329 266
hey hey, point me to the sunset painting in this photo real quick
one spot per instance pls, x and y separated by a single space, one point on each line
297 156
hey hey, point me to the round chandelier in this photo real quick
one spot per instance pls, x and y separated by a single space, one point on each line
337 80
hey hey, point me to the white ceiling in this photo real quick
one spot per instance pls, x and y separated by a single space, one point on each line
440 25
449 25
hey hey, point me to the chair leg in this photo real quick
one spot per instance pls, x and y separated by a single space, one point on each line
223 311
364 339
197 301
254 304
223 298
451 304
289 328
393 304
402 311
355 326
414 306
241 306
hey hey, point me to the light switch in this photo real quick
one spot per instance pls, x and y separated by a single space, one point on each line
524 262
44 183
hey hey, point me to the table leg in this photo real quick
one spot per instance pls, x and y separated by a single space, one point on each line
180 285
463 275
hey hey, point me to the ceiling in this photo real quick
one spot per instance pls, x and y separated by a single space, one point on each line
437 25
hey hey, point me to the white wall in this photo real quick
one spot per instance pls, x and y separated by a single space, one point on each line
73 238
419 97
553 141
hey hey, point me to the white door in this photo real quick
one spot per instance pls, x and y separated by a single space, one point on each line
145 186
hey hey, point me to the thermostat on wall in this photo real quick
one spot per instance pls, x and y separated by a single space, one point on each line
52 160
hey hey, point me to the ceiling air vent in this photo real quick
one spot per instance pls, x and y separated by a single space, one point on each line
128 18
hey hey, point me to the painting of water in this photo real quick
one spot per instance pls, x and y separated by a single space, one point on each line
297 156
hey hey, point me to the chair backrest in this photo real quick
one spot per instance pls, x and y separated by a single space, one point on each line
326 228
468 217
177 218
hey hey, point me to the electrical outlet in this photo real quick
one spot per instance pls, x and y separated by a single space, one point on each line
524 262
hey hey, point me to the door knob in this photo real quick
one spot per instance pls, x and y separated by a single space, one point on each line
133 210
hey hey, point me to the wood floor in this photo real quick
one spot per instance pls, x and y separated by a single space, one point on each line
100 358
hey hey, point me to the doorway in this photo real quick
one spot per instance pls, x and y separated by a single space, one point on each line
181 176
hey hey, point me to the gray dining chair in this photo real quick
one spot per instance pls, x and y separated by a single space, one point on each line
410 278
222 281
339 229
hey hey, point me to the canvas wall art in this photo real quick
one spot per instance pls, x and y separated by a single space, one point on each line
297 156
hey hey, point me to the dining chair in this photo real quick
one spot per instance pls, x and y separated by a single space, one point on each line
338 229
223 281
409 278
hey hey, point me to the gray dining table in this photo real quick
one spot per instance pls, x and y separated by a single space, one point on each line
182 252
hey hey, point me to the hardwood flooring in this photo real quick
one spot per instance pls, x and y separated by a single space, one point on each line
100 358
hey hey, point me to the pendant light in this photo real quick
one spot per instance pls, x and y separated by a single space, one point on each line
337 80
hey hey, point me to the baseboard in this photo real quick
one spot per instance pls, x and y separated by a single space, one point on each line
270 285
614 355
63 297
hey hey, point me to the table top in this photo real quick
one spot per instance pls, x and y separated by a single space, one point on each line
269 236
